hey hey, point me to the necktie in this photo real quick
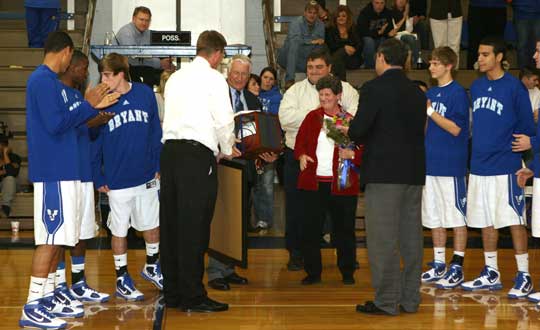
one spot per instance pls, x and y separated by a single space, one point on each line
238 106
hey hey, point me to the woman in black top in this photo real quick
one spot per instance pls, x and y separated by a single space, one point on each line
344 43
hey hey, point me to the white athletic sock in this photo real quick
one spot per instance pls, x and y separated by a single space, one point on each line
491 259
60 276
49 285
36 288
120 260
460 253
439 254
523 262
152 249
77 264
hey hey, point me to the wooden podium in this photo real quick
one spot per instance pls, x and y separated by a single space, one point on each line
228 234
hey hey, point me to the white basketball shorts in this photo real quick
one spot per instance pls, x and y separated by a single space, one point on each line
136 207
89 227
495 201
444 202
56 212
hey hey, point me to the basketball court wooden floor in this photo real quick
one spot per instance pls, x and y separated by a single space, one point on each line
274 299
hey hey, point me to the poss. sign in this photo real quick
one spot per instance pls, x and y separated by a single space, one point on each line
171 38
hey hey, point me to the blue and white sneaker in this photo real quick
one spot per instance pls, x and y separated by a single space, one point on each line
152 273
83 292
60 308
452 278
34 315
125 288
63 295
435 273
523 286
489 279
534 297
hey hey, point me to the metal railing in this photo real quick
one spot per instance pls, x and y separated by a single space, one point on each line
269 35
88 26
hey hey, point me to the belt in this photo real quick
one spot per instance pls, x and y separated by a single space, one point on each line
190 142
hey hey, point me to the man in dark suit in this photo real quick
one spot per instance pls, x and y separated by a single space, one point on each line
221 275
390 124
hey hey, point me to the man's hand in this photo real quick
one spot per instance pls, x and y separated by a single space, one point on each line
157 176
304 159
317 41
269 157
235 153
104 189
346 153
382 29
523 175
521 143
7 150
101 119
167 64
96 94
350 50
108 100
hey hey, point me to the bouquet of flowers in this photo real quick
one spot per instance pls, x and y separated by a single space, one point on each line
334 132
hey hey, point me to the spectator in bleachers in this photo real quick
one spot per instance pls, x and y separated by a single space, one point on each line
402 27
10 165
529 77
41 19
306 33
344 43
418 13
137 33
324 14
446 19
373 24
270 94
481 12
527 24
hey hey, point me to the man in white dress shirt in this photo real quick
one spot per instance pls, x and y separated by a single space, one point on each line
198 124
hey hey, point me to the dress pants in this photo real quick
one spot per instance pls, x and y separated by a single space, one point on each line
188 198
394 234
342 210
294 207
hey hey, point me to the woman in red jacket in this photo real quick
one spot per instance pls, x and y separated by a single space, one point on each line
319 158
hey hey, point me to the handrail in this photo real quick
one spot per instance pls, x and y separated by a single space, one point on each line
269 35
88 26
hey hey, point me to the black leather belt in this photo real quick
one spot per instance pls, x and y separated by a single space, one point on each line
190 142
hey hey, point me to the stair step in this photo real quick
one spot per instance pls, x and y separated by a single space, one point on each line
14 77
12 98
19 38
15 119
9 24
22 206
20 56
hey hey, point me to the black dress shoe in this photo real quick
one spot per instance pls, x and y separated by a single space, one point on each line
311 279
348 280
370 308
236 279
219 284
295 264
206 306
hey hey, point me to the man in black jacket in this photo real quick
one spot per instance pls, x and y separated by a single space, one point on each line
390 124
373 24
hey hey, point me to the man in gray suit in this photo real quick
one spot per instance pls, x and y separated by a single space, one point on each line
390 124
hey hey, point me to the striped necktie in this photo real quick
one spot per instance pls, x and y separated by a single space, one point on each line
238 105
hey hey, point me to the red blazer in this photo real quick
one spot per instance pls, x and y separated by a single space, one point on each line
306 143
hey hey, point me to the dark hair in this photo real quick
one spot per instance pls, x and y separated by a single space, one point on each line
331 82
395 52
116 63
320 53
528 71
343 9
142 9
271 70
498 44
78 56
255 77
57 41
445 55
209 42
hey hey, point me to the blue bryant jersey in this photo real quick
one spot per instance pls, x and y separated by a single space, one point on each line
52 128
446 155
127 149
75 98
500 108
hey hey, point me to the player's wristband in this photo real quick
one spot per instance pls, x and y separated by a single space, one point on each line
430 111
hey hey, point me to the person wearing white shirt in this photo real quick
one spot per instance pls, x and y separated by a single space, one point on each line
198 123
529 77
298 101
